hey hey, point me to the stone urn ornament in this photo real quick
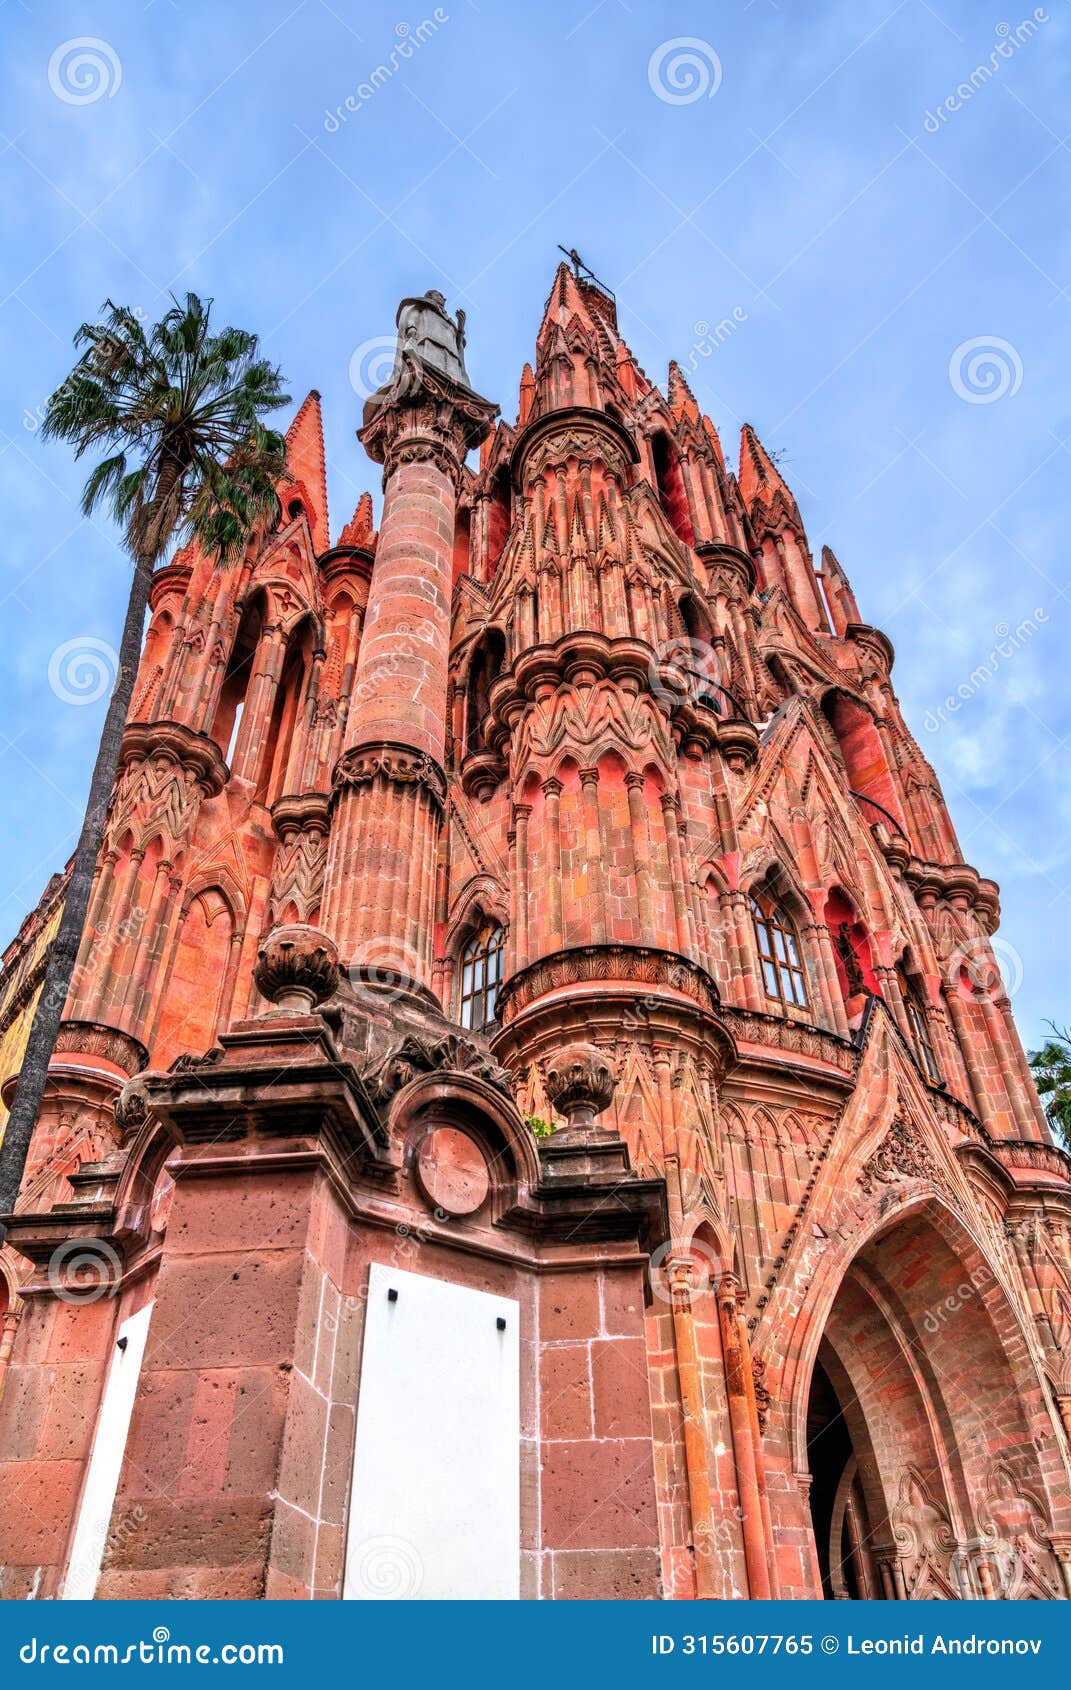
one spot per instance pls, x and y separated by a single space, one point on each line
297 969
580 1083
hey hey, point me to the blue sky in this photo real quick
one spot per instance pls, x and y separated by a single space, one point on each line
863 234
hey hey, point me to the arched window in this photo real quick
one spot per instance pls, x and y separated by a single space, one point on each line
236 679
783 977
919 1027
481 977
484 670
670 485
499 518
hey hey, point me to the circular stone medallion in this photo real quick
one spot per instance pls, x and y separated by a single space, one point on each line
452 1171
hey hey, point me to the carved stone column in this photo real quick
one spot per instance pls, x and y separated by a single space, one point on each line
389 784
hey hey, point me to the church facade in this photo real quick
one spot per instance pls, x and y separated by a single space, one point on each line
538 1113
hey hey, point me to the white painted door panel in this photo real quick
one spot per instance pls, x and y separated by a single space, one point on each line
109 1446
435 1503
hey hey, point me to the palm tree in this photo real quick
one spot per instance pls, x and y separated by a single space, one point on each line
179 409
1052 1076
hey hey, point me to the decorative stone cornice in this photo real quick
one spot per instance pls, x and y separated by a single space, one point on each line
594 964
172 578
878 643
482 772
960 884
795 1038
399 765
180 745
93 1038
1032 1154
302 810
728 561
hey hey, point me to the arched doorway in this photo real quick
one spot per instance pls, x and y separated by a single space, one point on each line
924 1415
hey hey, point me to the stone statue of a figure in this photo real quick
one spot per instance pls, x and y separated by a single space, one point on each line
429 338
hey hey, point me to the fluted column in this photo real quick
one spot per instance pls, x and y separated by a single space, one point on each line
389 783
676 872
552 793
589 781
641 855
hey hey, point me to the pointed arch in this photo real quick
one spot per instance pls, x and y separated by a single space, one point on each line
238 674
201 973
485 665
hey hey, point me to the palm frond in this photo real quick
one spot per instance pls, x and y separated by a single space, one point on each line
178 409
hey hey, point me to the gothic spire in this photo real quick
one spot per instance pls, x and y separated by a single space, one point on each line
305 450
360 530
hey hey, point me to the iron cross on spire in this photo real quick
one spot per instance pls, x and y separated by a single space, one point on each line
584 271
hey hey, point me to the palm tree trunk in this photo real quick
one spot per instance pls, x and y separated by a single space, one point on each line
64 951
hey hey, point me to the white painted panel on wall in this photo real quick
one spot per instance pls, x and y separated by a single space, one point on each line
109 1446
435 1504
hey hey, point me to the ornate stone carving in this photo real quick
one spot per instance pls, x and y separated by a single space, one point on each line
763 1395
902 1154
166 771
580 1084
451 1053
600 963
131 1108
585 435
87 1038
791 1036
398 764
298 871
297 968
188 1062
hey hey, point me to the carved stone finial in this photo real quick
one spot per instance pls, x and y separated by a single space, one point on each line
297 968
580 1084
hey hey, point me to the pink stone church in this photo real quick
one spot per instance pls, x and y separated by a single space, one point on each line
538 1114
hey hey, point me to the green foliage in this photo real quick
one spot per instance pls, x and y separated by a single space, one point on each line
1052 1076
540 1127
178 410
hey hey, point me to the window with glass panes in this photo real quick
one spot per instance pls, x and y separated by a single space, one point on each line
481 977
783 977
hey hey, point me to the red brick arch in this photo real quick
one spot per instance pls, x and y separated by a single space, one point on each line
932 1369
